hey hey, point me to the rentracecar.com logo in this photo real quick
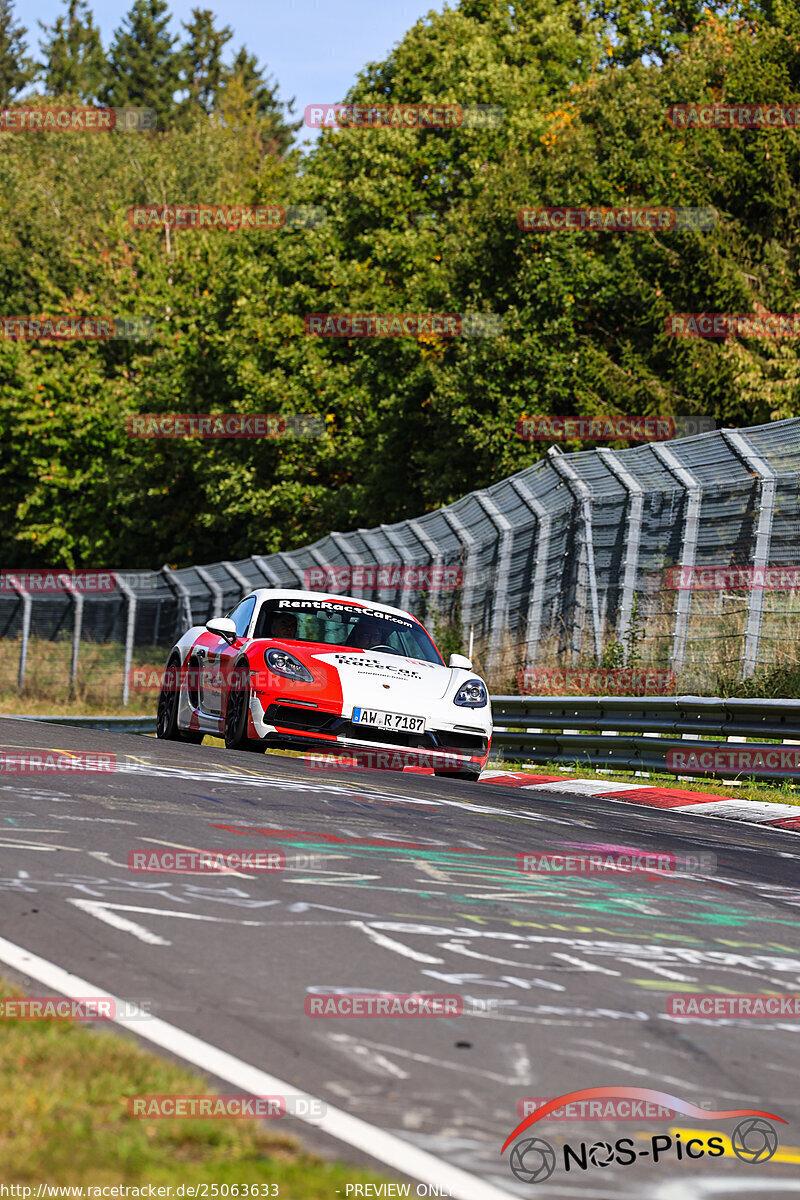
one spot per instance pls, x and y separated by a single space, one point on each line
533 1159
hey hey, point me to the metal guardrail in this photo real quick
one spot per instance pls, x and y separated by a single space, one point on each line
590 731
109 724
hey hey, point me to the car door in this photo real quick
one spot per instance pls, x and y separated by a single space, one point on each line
219 658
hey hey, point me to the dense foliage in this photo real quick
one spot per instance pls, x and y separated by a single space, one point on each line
417 221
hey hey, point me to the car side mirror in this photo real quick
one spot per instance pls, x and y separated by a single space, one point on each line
223 626
458 660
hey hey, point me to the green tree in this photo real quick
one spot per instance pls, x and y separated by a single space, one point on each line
143 65
244 87
74 62
17 70
201 60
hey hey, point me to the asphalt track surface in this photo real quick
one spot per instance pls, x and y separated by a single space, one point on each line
564 979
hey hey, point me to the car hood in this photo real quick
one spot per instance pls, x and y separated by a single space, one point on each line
386 680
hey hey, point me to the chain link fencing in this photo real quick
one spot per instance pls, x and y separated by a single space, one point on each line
678 557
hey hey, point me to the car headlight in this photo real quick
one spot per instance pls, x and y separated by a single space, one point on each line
287 665
471 694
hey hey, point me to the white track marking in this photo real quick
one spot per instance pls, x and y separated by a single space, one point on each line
380 939
100 911
582 787
371 1140
95 820
644 965
755 811
348 1041
587 966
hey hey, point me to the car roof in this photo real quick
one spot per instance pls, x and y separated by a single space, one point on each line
291 594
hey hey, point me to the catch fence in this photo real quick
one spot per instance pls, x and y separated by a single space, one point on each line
601 556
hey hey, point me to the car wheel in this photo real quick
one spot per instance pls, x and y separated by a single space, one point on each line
236 711
167 715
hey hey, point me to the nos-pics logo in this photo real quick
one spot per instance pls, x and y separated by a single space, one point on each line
533 1159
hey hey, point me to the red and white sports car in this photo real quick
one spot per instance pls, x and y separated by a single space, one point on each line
301 670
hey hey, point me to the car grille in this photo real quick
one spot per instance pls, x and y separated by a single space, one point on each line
307 720
393 737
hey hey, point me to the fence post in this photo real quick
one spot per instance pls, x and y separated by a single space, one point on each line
242 580
435 554
472 547
502 523
77 625
533 625
27 602
289 563
175 584
691 528
580 490
266 570
130 627
351 557
635 505
213 587
406 558
745 450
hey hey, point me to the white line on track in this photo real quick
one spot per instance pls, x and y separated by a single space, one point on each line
388 943
384 1147
100 911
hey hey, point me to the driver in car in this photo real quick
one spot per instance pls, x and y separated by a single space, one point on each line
368 633
284 625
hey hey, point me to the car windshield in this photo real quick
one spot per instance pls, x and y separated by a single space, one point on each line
341 624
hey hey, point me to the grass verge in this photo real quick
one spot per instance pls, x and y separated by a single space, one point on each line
64 1120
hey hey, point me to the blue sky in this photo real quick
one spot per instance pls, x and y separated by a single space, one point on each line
313 48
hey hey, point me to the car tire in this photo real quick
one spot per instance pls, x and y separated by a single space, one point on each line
236 711
168 702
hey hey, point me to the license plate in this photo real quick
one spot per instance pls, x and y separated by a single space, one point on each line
377 719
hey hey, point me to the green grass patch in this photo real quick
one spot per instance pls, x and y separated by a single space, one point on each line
64 1120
